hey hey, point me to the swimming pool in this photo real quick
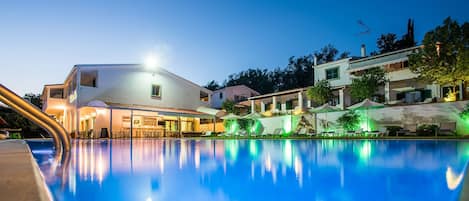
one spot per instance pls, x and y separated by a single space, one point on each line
187 169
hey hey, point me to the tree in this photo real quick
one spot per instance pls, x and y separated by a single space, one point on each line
444 58
320 93
34 99
229 106
299 73
257 79
389 42
327 54
212 85
344 55
367 84
349 121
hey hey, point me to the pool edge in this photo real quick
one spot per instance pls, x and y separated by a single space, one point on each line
21 178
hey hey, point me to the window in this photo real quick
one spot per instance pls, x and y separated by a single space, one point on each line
220 95
56 93
203 96
156 91
332 73
88 78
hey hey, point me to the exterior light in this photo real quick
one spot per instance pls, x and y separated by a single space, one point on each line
151 61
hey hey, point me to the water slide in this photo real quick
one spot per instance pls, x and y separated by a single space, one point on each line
34 114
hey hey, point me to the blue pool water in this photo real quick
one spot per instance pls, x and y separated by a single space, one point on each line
172 169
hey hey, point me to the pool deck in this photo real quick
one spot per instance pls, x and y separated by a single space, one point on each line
20 177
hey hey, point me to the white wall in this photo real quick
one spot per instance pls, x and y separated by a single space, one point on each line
344 77
229 93
133 86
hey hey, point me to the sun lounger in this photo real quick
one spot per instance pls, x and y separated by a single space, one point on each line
311 134
302 131
278 132
207 134
447 128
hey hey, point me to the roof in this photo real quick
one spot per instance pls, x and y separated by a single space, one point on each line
381 59
3 122
129 66
278 93
236 86
334 62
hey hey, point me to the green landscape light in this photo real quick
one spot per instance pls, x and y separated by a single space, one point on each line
365 151
253 150
288 153
231 146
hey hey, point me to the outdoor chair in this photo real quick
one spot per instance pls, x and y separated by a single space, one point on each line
278 132
207 134
408 129
447 128
311 134
242 133
302 131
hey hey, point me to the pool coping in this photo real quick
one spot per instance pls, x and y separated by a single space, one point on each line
20 176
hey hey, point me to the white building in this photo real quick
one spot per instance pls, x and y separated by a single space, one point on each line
402 86
236 94
99 98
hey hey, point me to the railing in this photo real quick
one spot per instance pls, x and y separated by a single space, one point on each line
34 114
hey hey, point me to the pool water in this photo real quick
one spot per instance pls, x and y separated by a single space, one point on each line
186 169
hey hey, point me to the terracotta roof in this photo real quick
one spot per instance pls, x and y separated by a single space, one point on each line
3 122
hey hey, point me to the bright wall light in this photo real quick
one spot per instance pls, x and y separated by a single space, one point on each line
151 61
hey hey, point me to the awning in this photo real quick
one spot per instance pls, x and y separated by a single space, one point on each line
404 89
96 103
210 111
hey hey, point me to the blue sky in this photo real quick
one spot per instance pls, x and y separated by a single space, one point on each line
40 41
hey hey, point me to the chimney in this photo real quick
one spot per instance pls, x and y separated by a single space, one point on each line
363 51
315 61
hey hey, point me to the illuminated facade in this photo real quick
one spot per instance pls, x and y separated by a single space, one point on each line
127 100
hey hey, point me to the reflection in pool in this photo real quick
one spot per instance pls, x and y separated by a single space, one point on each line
184 169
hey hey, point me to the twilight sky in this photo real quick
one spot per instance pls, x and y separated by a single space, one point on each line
40 41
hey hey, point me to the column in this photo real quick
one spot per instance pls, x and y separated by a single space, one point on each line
274 103
300 100
387 90
253 106
341 99
77 122
461 92
308 103
110 123
214 123
262 106
131 123
283 107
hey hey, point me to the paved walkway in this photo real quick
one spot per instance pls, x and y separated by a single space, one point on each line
20 178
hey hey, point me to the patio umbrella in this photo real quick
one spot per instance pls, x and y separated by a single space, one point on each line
324 109
231 116
253 115
366 104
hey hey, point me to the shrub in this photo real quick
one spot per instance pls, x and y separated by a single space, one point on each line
349 121
393 130
465 113
427 130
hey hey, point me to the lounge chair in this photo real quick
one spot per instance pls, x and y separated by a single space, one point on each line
408 129
302 131
242 133
207 134
447 128
311 134
277 132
